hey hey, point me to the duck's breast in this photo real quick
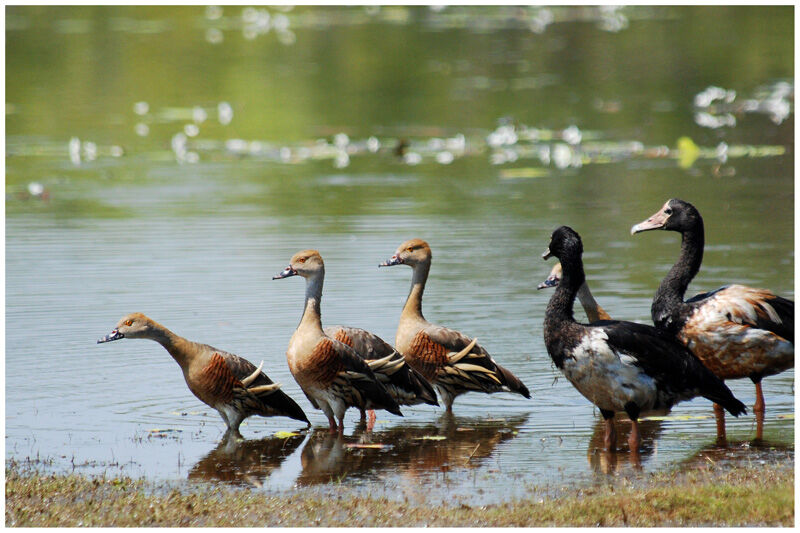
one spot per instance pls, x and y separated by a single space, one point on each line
606 377
212 382
316 366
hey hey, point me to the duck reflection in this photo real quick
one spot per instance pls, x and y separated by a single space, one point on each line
246 463
603 461
740 452
452 443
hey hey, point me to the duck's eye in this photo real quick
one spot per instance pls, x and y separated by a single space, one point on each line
668 211
128 322
410 249
301 260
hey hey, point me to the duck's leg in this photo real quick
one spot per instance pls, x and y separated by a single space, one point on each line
719 414
233 420
329 414
759 409
634 439
610 437
447 398
339 409
371 418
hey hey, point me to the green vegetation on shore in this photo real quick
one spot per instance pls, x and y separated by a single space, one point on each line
738 496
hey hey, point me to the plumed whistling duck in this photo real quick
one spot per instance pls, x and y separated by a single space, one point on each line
331 373
590 306
453 362
737 331
616 365
404 384
228 383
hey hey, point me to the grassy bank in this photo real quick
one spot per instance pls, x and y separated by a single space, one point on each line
761 495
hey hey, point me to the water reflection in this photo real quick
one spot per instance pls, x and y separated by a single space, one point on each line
740 452
247 463
602 461
410 451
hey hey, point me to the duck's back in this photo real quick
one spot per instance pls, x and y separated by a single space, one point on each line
368 345
739 331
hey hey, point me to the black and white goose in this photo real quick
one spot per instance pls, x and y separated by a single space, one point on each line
616 365
736 331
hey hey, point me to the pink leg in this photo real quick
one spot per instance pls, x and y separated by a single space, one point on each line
371 420
634 440
610 438
759 409
719 413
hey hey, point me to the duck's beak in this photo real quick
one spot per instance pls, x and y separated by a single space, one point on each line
551 281
113 336
547 255
656 221
395 260
286 273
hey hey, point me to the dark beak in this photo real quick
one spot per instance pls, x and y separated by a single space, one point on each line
286 273
551 281
391 262
113 336
656 221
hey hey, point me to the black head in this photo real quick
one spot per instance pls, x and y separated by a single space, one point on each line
675 215
564 242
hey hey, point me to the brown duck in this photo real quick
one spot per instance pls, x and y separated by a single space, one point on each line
228 383
331 373
453 362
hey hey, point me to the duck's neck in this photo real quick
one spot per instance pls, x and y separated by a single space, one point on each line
178 347
559 309
312 318
668 301
413 307
593 310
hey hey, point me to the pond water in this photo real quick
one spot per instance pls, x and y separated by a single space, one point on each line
171 161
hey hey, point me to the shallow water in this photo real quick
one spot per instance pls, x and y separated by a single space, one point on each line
114 205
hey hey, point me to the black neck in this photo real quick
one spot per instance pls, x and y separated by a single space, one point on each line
669 296
561 303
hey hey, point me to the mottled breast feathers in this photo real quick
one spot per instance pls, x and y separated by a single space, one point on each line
739 331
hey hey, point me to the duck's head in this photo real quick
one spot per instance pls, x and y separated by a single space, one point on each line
553 279
564 242
132 326
674 215
307 263
412 253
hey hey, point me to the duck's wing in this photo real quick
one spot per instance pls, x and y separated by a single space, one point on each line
355 380
406 385
367 345
251 386
742 305
671 365
464 362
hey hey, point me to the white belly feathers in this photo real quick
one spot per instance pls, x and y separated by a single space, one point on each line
607 378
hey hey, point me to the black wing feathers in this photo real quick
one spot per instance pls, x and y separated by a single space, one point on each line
668 362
